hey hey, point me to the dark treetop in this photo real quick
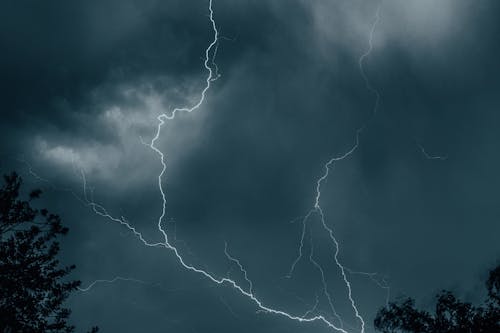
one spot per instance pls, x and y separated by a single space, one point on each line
451 315
33 287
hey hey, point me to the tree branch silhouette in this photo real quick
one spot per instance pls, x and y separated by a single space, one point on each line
33 284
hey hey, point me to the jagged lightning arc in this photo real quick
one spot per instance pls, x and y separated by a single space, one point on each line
113 280
100 210
316 209
429 156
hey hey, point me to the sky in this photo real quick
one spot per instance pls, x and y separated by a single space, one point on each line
401 97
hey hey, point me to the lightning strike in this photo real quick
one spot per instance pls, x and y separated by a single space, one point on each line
301 247
308 316
240 266
100 210
429 156
118 278
325 286
316 209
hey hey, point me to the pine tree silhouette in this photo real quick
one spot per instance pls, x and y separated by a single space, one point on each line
33 287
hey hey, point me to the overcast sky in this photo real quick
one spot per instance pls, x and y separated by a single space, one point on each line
416 202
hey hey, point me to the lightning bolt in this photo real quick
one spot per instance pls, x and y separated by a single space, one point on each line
429 156
325 285
316 210
101 210
118 278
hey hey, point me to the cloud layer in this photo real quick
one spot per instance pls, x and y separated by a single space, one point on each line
82 86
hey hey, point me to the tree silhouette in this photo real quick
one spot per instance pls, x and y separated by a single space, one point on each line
451 315
33 287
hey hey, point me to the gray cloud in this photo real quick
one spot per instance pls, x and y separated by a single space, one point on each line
84 82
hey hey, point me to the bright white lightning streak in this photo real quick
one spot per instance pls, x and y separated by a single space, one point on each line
129 279
307 317
301 247
100 210
317 208
342 269
118 278
214 64
330 164
161 119
325 286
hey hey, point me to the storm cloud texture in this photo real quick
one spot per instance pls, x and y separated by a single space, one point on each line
82 83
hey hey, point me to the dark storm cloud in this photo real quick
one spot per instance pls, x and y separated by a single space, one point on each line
82 81
56 54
